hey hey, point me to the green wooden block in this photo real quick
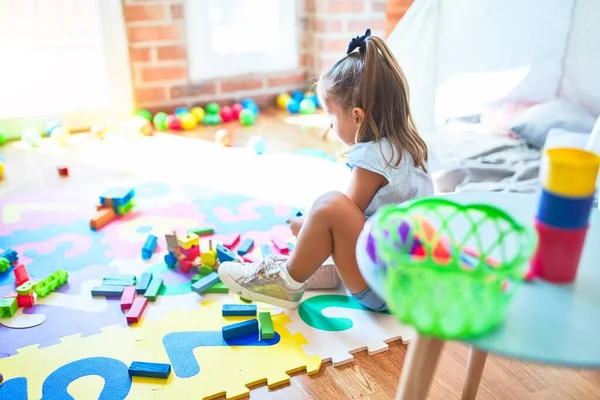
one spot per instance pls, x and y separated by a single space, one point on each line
152 292
245 300
205 270
266 325
217 288
203 231
8 307
196 278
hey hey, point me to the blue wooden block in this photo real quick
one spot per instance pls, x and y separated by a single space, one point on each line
202 284
170 260
143 282
239 310
224 254
149 247
119 196
245 246
108 291
266 250
149 370
244 328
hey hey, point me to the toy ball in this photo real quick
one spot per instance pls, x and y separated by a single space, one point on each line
173 122
2 137
314 98
160 121
224 137
282 100
188 121
252 107
258 144
247 117
1 167
212 119
293 106
246 102
226 114
50 125
146 114
60 135
298 96
179 111
236 109
198 113
213 108
141 125
307 106
31 136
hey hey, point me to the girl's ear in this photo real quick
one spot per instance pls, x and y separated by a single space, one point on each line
358 115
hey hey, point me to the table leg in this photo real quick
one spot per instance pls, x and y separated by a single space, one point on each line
419 367
475 365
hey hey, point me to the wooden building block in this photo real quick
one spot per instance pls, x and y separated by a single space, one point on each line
137 310
153 289
245 247
244 328
108 291
239 310
144 282
232 241
127 297
149 247
204 283
149 370
280 245
266 325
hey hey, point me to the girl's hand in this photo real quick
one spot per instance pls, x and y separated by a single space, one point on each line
295 224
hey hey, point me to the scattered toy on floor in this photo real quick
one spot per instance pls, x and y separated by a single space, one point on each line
149 370
63 171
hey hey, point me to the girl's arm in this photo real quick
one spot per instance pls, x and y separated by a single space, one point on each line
363 186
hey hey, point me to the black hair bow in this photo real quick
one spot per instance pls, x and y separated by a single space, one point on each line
359 42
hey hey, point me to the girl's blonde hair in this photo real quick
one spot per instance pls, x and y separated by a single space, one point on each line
373 81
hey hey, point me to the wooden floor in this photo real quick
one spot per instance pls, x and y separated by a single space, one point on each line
369 377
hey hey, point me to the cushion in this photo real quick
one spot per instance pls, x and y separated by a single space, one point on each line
534 123
497 120
495 51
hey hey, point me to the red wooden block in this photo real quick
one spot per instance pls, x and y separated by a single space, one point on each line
192 253
281 245
185 265
63 171
251 258
137 310
127 297
25 301
232 241
21 275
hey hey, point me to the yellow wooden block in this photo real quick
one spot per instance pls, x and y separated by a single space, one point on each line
188 240
209 257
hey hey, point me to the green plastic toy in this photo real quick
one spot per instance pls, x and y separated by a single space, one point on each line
450 269
52 282
146 114
4 264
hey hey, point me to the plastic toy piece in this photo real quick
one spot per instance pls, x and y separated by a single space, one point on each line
280 245
102 218
205 270
124 209
239 310
52 282
171 260
107 291
218 287
266 325
21 275
25 301
63 171
224 254
245 300
143 282
10 255
137 310
127 298
203 231
189 240
8 307
149 370
117 197
152 292
4 265
25 289
240 329
232 241
149 247
245 247
206 282
266 250
185 265
250 258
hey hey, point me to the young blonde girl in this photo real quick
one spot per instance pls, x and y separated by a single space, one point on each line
366 95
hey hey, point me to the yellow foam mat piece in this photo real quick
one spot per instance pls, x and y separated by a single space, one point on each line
213 371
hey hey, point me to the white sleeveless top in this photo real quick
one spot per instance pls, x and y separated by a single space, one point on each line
405 182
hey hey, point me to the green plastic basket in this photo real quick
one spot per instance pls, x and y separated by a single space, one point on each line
450 269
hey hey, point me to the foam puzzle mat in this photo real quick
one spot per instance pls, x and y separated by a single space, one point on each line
70 345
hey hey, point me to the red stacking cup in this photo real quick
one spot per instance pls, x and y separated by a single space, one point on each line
557 256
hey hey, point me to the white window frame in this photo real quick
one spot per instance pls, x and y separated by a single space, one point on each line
121 102
205 63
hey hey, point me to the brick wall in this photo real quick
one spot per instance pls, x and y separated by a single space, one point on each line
158 52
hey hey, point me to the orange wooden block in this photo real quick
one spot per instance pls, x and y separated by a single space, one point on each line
102 218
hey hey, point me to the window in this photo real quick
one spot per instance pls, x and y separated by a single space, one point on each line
65 59
237 37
